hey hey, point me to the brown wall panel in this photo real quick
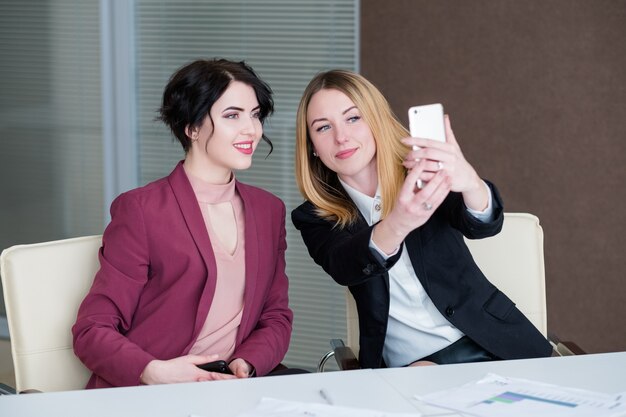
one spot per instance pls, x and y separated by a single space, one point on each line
536 92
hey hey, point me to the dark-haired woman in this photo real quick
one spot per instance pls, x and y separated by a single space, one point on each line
183 278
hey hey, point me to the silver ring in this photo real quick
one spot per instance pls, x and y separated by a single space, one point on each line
427 206
439 165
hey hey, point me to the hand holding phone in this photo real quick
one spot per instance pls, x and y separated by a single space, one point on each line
216 366
427 122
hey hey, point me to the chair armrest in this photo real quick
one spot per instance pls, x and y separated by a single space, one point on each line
345 357
346 360
6 390
567 348
564 348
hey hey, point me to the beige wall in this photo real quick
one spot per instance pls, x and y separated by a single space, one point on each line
536 91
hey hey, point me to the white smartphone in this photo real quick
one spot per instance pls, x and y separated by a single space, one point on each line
427 122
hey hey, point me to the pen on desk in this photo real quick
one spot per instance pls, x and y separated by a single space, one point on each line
326 397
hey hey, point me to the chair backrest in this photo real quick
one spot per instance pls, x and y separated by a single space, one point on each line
512 260
44 284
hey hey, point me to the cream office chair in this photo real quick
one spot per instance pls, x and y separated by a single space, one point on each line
512 260
44 283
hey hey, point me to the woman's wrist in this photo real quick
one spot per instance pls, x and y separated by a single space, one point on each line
387 236
146 377
477 196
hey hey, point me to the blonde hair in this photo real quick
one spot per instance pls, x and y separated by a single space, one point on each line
320 185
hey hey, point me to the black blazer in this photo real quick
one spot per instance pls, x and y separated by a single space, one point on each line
445 268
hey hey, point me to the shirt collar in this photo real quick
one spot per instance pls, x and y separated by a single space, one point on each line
370 207
210 193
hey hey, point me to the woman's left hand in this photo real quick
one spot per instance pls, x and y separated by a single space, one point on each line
449 158
240 368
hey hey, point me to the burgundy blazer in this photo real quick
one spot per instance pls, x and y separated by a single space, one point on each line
157 278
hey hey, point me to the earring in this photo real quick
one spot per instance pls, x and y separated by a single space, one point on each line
314 154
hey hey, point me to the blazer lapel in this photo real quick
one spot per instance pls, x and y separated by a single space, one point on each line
359 225
186 198
252 249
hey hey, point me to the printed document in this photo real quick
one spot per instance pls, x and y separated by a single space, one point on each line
497 396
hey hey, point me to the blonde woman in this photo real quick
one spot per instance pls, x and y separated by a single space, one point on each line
400 250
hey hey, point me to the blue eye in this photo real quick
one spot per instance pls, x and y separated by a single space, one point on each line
322 128
256 115
354 119
231 116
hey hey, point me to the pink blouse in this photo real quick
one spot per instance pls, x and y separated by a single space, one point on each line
220 328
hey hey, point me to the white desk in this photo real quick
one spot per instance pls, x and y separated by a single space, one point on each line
210 399
383 389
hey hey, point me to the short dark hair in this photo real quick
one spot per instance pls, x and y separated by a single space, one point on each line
195 87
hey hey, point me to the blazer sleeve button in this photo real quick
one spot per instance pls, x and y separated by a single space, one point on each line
449 312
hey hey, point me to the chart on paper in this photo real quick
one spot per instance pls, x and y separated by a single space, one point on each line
558 400
496 396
